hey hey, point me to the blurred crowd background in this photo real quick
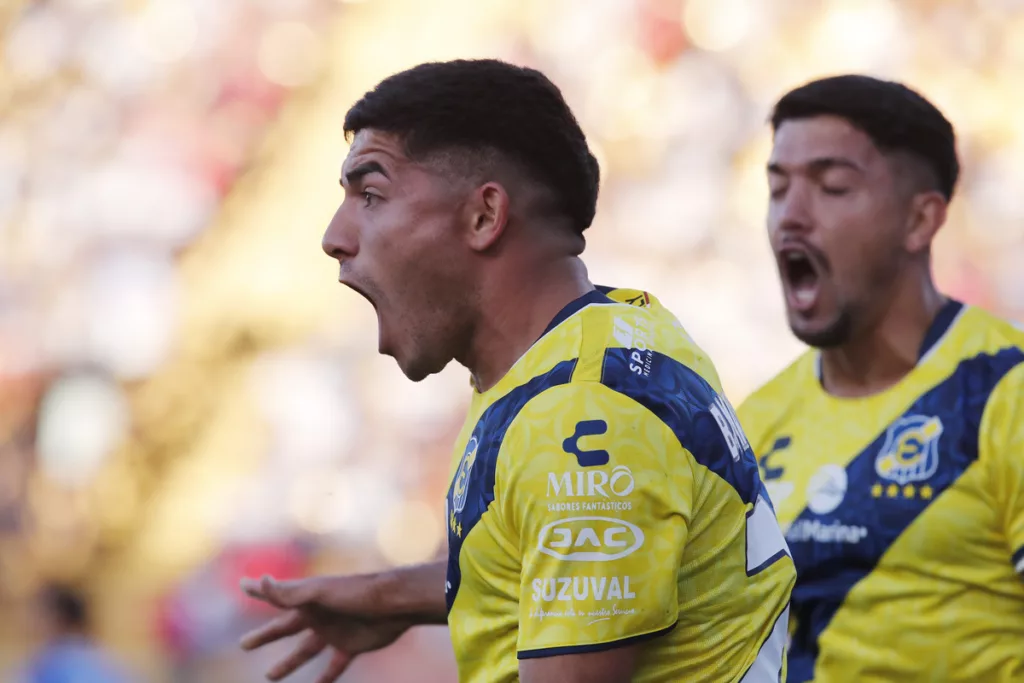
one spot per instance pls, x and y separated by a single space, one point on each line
188 396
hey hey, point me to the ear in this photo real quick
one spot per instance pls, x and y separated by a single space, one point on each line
927 214
489 214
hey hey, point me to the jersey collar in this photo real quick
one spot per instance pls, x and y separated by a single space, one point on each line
594 296
944 320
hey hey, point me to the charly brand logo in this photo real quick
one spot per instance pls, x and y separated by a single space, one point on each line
911 450
590 539
587 458
460 486
771 474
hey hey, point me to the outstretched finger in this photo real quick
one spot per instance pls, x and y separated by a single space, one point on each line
339 662
282 594
252 588
310 647
280 627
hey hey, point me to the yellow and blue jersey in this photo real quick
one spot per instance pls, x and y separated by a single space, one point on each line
904 510
602 494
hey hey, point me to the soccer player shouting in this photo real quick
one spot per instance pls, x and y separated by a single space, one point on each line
606 521
893 451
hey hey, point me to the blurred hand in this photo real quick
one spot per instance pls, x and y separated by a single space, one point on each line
332 611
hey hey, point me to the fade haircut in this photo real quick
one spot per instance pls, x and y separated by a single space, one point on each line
896 118
483 107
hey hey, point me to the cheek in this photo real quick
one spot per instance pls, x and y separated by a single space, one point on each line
389 243
423 267
864 258
772 220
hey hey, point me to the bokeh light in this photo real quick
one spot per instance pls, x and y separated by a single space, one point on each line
167 30
81 421
410 532
718 25
289 54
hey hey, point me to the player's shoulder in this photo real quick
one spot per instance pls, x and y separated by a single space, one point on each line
640 337
998 343
642 354
989 368
991 332
786 386
622 351
974 351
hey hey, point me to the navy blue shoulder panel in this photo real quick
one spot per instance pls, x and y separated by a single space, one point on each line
937 439
701 419
472 487
594 296
943 320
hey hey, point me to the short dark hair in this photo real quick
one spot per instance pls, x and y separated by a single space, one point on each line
896 118
67 605
482 105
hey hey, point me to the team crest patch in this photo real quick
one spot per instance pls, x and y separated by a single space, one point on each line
911 450
460 486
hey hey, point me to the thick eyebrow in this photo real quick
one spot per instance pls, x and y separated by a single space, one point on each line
818 166
354 175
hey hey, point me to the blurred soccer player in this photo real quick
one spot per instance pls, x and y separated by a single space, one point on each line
69 654
605 521
894 452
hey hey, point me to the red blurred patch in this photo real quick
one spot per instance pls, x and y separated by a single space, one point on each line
661 30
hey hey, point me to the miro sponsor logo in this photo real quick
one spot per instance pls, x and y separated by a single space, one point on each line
582 588
592 483
813 530
589 539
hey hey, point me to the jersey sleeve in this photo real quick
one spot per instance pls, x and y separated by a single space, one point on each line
1001 446
597 492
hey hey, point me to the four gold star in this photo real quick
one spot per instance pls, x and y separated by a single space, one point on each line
908 491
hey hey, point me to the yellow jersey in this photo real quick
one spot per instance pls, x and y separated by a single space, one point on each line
904 510
603 494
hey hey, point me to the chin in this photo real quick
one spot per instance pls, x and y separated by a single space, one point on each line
415 374
419 369
821 335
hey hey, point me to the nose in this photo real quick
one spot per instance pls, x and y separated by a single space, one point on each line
792 213
341 239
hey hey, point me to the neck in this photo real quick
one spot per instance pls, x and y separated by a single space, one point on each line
513 317
882 354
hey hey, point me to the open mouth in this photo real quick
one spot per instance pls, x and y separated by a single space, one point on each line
358 290
801 276
381 332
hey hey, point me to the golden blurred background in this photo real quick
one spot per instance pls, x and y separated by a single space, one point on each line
186 393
